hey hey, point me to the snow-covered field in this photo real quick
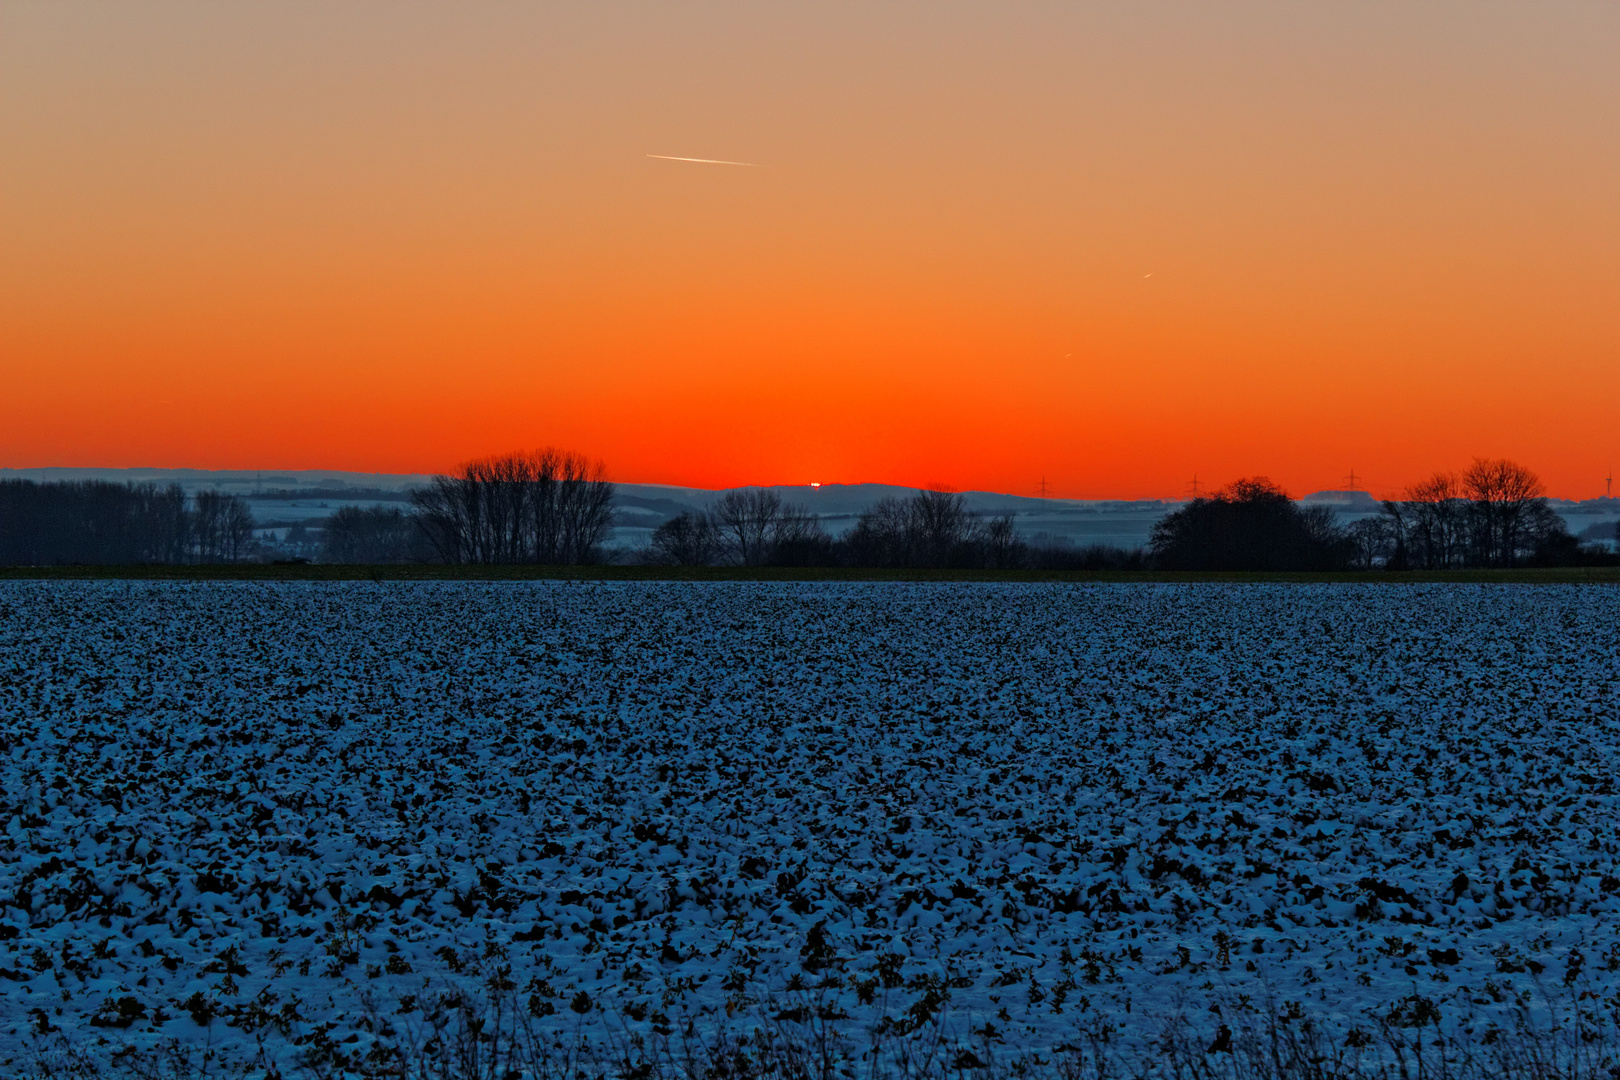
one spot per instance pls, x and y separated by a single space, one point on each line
305 816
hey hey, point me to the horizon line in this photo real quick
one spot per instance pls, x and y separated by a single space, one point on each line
807 485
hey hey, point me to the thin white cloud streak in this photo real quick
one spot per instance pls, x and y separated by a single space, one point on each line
706 161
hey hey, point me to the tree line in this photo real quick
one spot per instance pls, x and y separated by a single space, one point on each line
546 506
557 507
552 507
1493 514
93 521
929 530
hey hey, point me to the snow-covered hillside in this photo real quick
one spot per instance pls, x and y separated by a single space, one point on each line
298 816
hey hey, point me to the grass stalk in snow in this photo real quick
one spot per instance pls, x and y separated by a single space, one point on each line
492 1037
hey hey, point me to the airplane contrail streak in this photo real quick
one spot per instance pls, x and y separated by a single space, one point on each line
705 161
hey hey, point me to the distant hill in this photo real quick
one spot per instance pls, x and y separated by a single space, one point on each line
835 499
233 481
1347 502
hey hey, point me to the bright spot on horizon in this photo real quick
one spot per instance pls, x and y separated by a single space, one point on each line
706 161
814 484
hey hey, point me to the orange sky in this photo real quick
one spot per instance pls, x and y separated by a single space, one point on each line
390 236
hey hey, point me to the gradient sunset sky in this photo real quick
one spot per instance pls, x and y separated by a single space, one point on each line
1112 244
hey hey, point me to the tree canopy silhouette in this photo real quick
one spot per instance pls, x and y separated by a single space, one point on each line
1494 514
550 506
1251 524
932 529
94 521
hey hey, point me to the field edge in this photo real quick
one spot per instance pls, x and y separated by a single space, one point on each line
1578 575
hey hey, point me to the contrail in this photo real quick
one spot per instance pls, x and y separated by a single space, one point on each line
705 161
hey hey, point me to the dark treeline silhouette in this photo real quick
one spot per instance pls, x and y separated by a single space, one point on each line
376 534
549 506
1045 554
932 529
1251 524
556 507
749 527
1494 514
92 521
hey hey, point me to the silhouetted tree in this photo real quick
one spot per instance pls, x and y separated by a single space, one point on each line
582 509
932 529
549 506
1502 493
1003 548
1372 542
222 527
1250 525
94 521
1429 525
940 526
754 527
882 535
162 523
799 540
687 539
1494 515
746 521
377 534
1545 539
208 526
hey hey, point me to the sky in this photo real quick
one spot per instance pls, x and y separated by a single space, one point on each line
977 245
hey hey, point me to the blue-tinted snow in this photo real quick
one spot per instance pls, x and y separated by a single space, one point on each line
1052 804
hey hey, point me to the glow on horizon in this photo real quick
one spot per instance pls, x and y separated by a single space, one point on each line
394 236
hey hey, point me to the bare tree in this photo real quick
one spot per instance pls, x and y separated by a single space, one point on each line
1545 539
799 540
882 535
1495 514
940 524
1372 542
687 539
447 511
1003 547
357 535
163 524
207 525
1502 493
1438 525
236 530
548 506
583 509
746 520
221 527
931 529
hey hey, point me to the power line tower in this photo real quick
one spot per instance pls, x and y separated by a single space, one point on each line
1043 487
1194 486
1351 479
1608 484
